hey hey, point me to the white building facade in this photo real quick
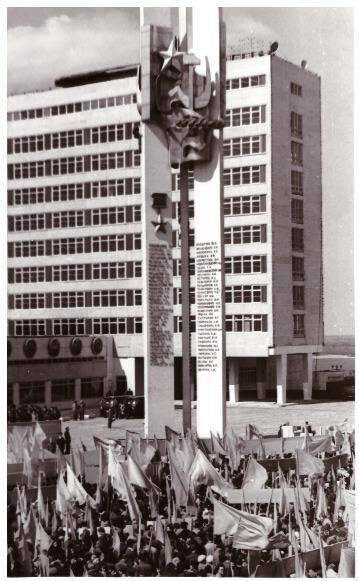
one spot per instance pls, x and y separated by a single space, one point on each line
74 240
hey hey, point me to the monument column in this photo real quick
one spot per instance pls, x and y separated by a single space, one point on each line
308 375
209 43
233 380
157 269
281 367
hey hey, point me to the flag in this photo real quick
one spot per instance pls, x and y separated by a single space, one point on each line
53 522
63 495
60 461
172 437
349 501
250 531
298 559
233 447
217 446
78 462
75 488
27 466
42 538
137 476
25 553
256 475
313 537
40 502
84 449
307 464
261 450
179 480
159 530
202 472
168 495
121 483
346 567
30 527
187 453
339 500
39 435
253 431
321 508
133 442
318 446
168 549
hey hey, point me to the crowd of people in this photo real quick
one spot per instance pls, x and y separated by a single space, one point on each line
106 542
31 413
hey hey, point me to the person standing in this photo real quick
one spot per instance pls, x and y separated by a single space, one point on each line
67 438
82 408
60 441
75 410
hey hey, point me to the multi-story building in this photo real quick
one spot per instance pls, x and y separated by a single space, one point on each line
74 241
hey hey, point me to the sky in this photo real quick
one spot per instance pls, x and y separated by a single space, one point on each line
46 43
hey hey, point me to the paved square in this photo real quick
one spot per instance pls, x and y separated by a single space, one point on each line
265 415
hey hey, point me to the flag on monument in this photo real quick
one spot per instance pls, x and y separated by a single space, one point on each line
256 475
307 464
250 531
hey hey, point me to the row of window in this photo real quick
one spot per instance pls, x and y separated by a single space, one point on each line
69 192
71 327
76 299
237 176
83 245
72 138
298 239
245 264
246 323
33 392
69 108
238 323
248 145
246 115
75 218
245 234
244 82
75 272
71 165
239 205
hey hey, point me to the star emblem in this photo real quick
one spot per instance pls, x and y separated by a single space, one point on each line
159 224
169 53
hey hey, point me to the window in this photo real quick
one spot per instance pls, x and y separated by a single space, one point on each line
29 274
298 297
117 326
62 389
246 294
297 182
296 89
297 211
30 328
297 153
296 124
297 239
68 300
237 206
68 327
26 248
29 301
246 323
245 264
298 326
244 82
68 219
297 268
245 115
245 234
245 175
92 387
244 145
32 392
68 272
